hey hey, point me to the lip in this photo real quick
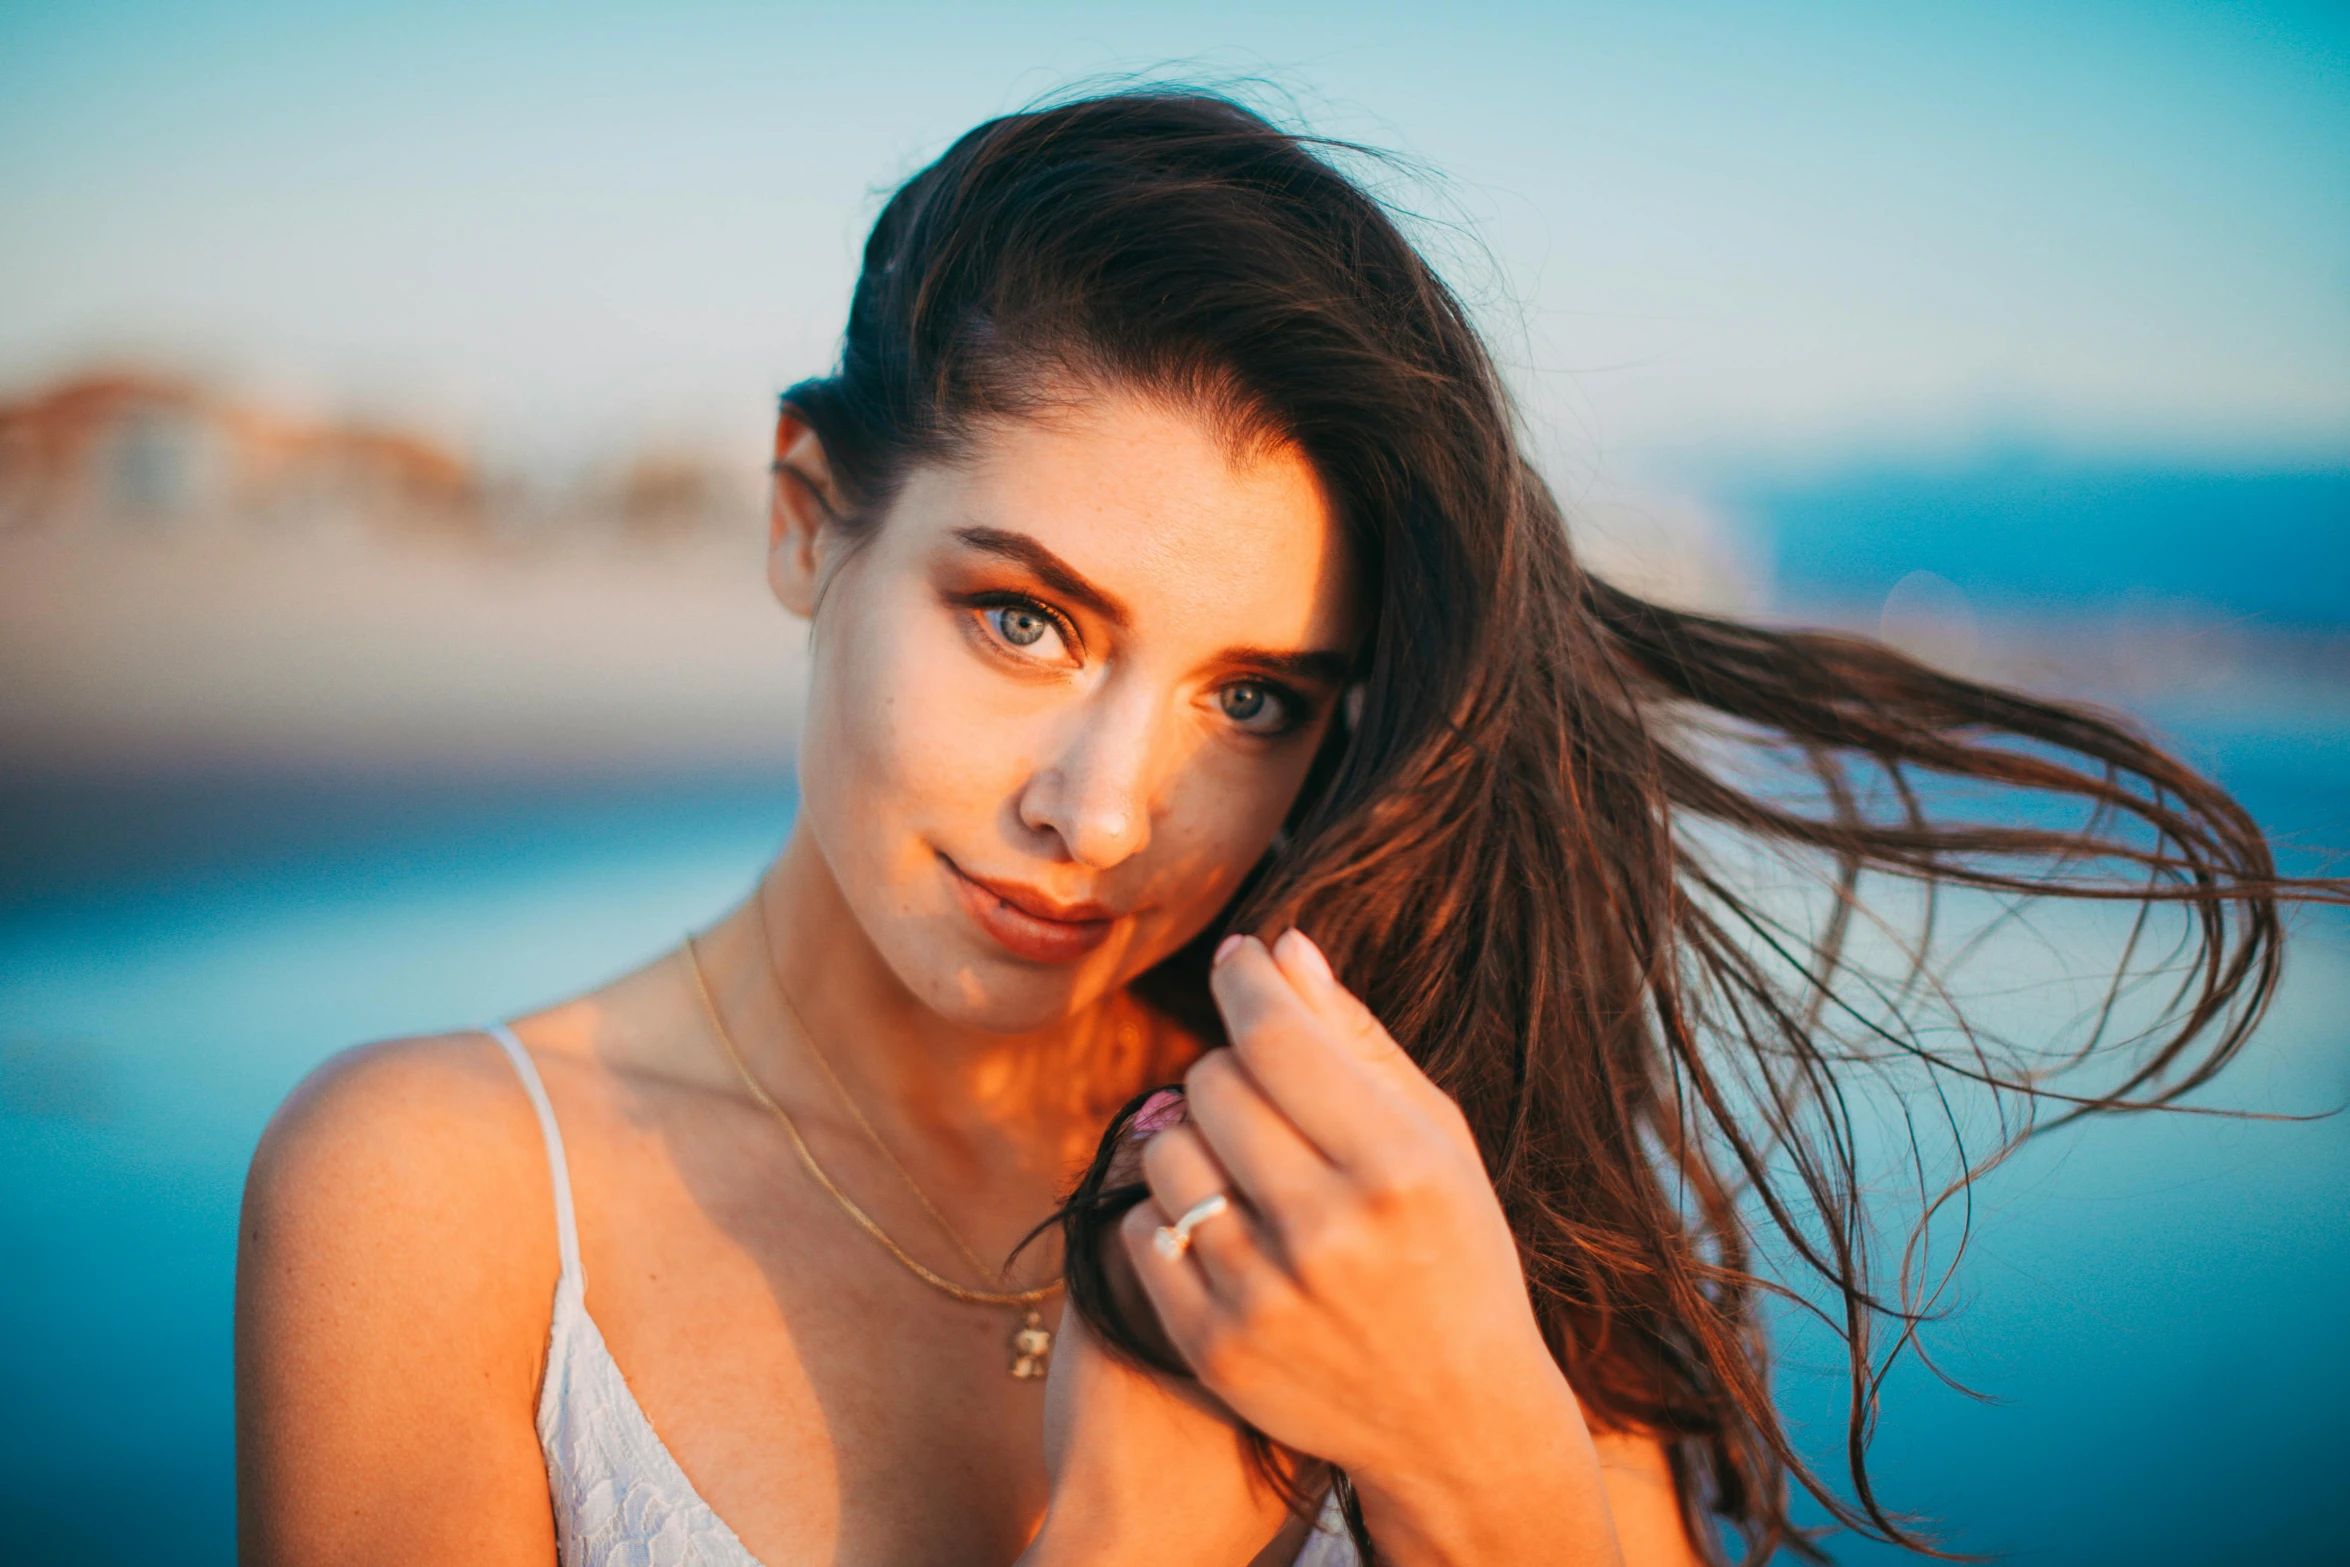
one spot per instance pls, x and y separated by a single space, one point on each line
1027 923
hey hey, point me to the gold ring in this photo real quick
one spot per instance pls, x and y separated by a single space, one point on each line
1173 1240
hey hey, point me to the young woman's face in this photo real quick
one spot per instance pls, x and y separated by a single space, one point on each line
1063 698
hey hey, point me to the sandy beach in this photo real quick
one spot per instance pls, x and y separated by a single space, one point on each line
367 648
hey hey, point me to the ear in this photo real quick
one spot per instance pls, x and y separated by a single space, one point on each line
802 502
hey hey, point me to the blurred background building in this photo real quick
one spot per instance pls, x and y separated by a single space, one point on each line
118 450
124 449
384 398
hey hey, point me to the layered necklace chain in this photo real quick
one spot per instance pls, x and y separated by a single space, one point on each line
1031 1342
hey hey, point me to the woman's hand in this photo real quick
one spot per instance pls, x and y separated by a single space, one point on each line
1145 1472
1361 1299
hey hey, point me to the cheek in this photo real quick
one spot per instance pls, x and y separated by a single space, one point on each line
1219 820
898 749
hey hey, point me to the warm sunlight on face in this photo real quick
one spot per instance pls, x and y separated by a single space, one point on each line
1063 699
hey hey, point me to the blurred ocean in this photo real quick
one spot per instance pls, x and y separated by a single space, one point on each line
2156 1305
174 956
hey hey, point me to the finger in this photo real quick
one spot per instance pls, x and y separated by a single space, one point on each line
1277 1167
1308 971
1079 1359
1345 1106
1183 1172
1178 1290
1302 961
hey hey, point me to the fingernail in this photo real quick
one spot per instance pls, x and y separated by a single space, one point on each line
1227 947
1306 955
1160 1111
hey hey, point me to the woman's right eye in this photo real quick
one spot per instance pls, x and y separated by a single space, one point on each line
1020 627
1027 629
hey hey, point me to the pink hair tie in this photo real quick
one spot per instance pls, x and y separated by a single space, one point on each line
1160 1111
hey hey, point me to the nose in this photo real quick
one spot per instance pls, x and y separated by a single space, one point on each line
1095 792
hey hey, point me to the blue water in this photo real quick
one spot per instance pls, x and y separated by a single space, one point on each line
2158 1303
2023 525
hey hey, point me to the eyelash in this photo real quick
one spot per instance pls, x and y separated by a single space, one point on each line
983 602
1294 708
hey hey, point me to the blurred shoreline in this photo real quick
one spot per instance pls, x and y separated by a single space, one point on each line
2156 661
192 583
369 651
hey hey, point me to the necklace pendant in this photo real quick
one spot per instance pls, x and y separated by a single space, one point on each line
1032 1347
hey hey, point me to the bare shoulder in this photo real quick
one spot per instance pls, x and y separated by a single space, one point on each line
438 1132
396 1263
404 1181
434 1129
430 1086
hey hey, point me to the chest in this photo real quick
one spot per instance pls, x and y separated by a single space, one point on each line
826 1403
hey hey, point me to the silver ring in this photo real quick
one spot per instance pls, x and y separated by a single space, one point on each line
1173 1240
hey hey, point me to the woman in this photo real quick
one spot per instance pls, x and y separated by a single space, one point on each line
1177 587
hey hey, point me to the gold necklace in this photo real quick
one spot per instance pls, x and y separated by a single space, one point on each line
849 1103
1032 1341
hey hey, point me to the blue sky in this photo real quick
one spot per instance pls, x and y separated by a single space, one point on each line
1701 232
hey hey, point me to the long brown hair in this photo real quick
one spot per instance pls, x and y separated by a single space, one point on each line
1521 850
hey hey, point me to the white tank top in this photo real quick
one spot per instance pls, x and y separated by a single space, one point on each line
620 1500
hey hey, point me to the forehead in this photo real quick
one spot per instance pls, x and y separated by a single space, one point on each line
1200 539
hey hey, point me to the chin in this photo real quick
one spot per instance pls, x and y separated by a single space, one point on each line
974 988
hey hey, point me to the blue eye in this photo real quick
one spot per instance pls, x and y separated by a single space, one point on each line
1257 707
1018 626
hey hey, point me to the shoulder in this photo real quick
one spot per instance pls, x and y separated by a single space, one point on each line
396 1262
388 1125
408 1175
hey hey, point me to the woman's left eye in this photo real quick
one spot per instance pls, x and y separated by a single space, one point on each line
1256 707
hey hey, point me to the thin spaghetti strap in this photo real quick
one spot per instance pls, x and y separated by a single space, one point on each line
566 1226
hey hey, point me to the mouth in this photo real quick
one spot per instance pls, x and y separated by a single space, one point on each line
1028 924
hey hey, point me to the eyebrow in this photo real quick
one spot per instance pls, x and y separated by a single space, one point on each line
1047 568
1326 667
1320 667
